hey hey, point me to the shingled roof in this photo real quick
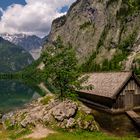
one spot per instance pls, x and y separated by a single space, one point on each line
106 84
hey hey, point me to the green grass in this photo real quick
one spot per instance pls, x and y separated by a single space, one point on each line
46 100
63 135
86 25
13 134
84 136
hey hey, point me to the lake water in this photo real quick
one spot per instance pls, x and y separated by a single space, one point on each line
14 94
120 125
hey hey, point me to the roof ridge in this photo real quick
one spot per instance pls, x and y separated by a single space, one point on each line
107 84
123 84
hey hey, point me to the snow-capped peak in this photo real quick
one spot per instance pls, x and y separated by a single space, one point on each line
31 43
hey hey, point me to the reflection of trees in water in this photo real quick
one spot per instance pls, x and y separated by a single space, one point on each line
14 94
119 124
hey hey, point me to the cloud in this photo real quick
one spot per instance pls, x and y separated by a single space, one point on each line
1 12
33 18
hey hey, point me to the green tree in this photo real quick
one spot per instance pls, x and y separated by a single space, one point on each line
61 71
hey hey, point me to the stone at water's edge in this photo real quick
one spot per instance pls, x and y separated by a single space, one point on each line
8 120
63 114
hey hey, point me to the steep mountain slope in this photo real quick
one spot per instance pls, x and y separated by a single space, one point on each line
13 58
31 43
105 33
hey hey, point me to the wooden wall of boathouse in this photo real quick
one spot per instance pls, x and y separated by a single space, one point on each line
129 96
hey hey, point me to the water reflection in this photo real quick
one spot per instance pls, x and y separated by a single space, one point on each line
120 125
14 94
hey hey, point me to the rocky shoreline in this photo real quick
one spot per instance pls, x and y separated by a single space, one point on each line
50 111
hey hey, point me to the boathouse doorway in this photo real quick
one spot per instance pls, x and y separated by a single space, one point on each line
129 99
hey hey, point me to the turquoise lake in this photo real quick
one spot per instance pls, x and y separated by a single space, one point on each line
14 94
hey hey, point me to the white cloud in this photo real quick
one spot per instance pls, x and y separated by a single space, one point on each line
33 18
1 12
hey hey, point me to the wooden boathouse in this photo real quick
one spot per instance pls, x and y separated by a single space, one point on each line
114 92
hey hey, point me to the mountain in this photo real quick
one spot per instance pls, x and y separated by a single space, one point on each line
44 40
104 33
30 43
12 57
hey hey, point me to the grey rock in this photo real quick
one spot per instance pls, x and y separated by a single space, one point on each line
8 120
70 123
102 31
27 121
59 114
48 118
66 109
85 109
62 115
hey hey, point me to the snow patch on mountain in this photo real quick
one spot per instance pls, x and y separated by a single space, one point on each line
31 43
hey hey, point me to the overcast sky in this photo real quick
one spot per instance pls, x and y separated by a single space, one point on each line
30 16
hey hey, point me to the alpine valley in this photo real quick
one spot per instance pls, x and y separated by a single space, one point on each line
31 43
87 75
12 57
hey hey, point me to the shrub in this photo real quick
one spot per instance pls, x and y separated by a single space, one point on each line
46 100
85 25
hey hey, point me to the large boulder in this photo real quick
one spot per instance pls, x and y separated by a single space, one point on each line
65 109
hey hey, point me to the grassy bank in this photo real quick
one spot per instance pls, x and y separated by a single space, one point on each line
63 135
86 136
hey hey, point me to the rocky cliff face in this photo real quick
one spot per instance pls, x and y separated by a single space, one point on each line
105 33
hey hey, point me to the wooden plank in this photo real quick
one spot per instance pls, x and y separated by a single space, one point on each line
134 116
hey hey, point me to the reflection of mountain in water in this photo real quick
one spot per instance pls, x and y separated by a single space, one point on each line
14 94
